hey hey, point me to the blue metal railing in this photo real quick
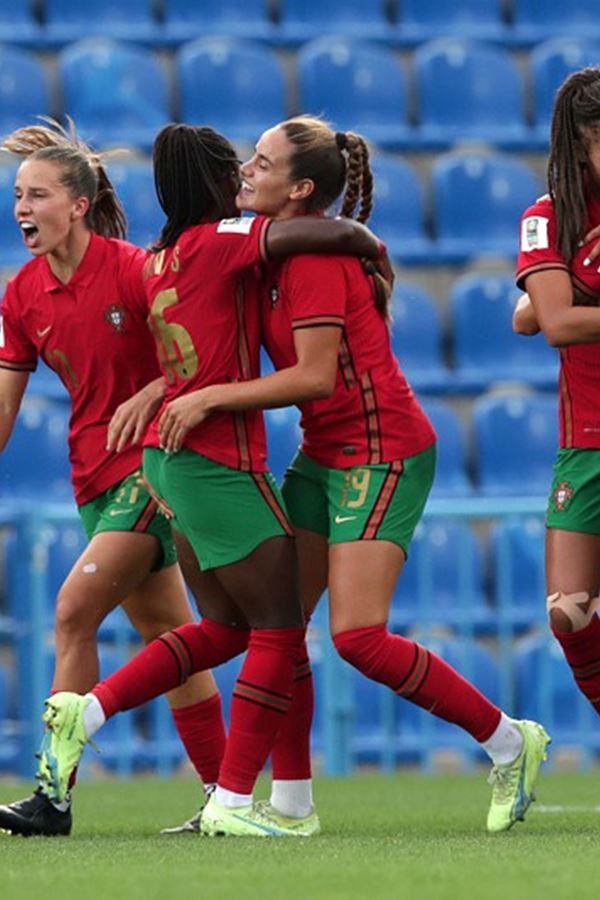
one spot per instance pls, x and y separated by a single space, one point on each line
399 732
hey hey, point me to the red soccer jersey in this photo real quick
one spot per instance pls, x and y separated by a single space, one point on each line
372 416
202 298
87 332
579 378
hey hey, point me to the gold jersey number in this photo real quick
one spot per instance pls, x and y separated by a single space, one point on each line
175 346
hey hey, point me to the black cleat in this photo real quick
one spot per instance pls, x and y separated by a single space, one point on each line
35 816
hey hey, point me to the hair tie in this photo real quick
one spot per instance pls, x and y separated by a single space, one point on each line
341 140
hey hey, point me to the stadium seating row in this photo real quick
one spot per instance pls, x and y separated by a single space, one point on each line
470 207
510 446
381 726
445 581
454 90
289 22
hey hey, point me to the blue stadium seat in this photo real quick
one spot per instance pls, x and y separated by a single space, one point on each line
442 581
534 21
478 203
122 747
13 252
546 691
248 19
162 746
516 441
517 548
19 24
486 349
399 209
117 93
358 86
476 19
35 463
451 479
551 62
24 89
417 337
134 183
283 438
468 91
220 80
69 20
304 20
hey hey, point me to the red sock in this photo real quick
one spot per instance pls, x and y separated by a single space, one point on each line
419 676
261 698
582 652
168 662
202 732
290 757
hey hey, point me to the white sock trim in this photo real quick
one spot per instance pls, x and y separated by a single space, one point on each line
505 744
231 799
292 797
93 715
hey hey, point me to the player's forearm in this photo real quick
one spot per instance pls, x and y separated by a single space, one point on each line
573 325
284 388
311 234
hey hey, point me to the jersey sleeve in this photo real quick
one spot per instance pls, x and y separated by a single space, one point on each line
316 290
131 278
537 247
238 244
17 351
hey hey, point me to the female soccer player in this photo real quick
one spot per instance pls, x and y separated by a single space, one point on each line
555 269
70 306
357 488
202 303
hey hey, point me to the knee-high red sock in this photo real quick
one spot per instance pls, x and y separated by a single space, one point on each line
168 662
420 676
261 698
202 732
582 652
290 757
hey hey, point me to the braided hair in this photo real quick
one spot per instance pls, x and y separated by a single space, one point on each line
575 123
82 171
196 175
334 161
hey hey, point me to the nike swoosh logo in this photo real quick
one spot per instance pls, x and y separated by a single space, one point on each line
339 519
119 512
42 331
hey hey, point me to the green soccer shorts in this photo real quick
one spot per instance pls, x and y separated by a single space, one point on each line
574 501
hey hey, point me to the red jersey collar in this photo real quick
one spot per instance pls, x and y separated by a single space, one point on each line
85 272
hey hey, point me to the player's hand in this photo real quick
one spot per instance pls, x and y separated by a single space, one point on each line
131 418
594 253
179 416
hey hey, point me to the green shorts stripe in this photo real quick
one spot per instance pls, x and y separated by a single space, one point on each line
127 506
225 513
370 502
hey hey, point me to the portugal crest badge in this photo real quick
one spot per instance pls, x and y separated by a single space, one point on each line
561 496
115 316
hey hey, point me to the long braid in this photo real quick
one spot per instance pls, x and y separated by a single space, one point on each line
196 175
575 119
83 171
359 178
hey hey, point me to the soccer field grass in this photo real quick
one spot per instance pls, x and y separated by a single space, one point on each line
402 836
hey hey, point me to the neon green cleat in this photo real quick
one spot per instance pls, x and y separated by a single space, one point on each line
63 742
254 820
513 783
307 826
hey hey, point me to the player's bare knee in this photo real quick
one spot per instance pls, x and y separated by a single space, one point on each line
571 612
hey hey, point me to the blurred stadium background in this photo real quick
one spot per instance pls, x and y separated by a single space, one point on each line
455 98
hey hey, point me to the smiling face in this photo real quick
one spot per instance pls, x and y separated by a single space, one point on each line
45 209
267 187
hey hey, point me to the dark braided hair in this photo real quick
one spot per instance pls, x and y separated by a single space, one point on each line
318 154
196 175
82 171
575 122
